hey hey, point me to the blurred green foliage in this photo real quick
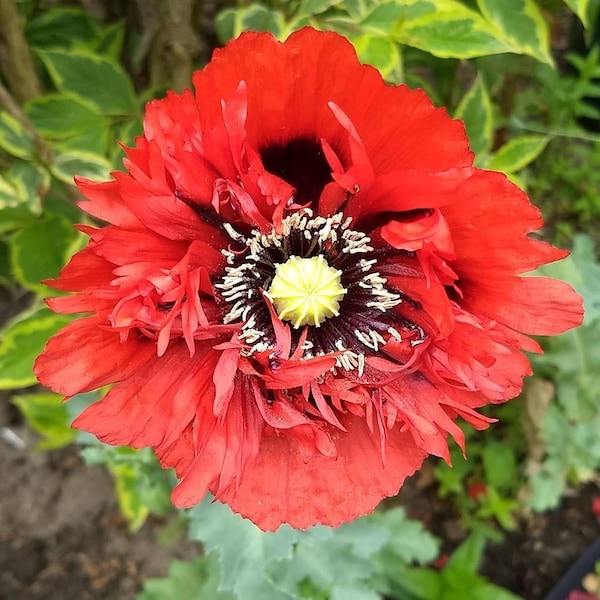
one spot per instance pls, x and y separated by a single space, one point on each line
530 108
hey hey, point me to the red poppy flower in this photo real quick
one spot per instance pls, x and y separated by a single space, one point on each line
303 284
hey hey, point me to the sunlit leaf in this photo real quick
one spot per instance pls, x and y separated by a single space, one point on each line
130 501
47 414
30 183
95 79
582 9
522 24
21 342
58 116
14 138
39 250
382 53
518 153
475 110
78 162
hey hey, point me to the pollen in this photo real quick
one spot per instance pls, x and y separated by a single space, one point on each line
306 291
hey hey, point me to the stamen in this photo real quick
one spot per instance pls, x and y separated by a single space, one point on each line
308 272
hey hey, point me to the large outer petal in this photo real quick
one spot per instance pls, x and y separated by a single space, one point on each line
399 127
281 488
155 404
490 222
86 355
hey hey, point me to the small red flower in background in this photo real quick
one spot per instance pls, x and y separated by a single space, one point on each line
303 283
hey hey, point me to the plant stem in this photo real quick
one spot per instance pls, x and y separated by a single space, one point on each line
16 62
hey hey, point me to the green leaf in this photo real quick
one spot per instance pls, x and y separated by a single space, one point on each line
518 153
58 116
46 414
40 250
521 24
451 30
582 9
244 550
197 580
95 79
382 53
111 40
21 343
468 555
315 7
384 18
255 17
328 557
79 162
582 270
8 195
30 183
14 138
60 27
345 591
407 583
130 501
475 110
499 464
408 539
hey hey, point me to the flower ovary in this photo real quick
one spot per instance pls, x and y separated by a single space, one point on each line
306 291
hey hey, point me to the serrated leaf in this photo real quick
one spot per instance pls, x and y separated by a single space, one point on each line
196 580
547 487
79 162
382 53
244 550
46 414
20 344
14 138
582 270
95 79
39 250
408 539
327 557
517 153
475 110
522 24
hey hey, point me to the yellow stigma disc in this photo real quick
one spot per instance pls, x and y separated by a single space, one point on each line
306 291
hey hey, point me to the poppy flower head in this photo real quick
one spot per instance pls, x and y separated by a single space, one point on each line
303 282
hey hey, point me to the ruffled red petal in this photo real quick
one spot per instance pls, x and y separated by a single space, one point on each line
87 355
280 487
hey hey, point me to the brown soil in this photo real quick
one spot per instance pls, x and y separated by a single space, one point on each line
61 533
